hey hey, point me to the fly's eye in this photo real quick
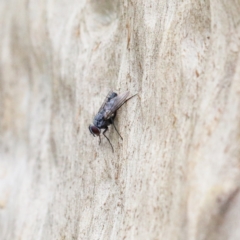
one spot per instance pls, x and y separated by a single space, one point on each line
94 130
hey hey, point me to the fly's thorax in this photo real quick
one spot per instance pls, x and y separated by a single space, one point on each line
99 120
96 121
106 113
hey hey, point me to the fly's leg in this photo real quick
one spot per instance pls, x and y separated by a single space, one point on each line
107 137
112 121
99 140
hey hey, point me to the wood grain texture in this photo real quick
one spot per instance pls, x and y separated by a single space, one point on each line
175 175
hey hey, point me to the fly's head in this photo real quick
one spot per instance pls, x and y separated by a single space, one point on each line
94 130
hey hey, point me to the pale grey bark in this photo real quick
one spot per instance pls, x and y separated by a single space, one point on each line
176 173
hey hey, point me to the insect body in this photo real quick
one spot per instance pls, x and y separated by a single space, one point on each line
107 114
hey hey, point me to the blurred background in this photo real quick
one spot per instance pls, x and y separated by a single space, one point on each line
175 174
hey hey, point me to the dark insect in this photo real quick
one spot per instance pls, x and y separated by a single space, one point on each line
107 114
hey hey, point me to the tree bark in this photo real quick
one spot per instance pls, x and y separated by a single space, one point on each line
175 174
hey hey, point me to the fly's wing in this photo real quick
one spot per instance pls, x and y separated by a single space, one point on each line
118 102
106 99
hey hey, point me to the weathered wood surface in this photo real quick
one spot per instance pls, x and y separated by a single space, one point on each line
175 175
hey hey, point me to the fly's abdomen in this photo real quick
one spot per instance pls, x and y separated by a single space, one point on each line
113 95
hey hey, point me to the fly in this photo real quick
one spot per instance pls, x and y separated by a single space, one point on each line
107 114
